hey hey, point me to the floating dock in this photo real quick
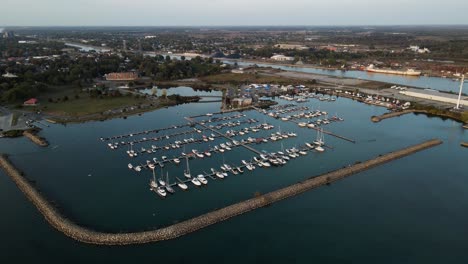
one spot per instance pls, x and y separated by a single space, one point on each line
86 235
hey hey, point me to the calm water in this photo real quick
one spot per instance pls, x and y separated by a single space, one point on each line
441 84
409 211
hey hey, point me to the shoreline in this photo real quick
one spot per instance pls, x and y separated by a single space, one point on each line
64 225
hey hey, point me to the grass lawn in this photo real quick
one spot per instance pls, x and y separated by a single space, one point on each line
86 105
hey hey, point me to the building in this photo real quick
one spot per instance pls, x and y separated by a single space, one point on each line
241 102
31 102
9 75
291 46
8 34
435 96
418 49
121 76
280 57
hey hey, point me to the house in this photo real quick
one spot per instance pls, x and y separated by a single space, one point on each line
31 102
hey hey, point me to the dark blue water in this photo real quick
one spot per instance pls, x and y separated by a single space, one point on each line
409 211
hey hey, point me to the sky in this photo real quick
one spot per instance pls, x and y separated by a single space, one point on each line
230 12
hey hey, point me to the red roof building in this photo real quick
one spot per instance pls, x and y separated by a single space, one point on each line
32 101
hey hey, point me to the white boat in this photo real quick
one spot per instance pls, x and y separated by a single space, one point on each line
187 170
176 160
309 145
265 164
130 166
202 179
219 175
168 185
207 153
161 192
239 169
137 168
302 124
319 149
181 184
195 181
153 184
303 153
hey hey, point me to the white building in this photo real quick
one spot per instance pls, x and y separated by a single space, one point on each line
418 49
282 58
435 96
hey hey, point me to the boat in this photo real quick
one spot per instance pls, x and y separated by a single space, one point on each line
234 171
161 180
161 192
153 184
303 153
195 181
168 187
302 124
176 160
309 145
181 184
187 171
137 168
202 179
130 166
409 72
239 169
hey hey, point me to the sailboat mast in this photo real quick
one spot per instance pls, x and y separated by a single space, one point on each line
460 93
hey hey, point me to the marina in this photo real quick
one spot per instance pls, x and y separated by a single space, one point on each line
85 235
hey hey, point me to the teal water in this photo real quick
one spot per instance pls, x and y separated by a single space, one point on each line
407 211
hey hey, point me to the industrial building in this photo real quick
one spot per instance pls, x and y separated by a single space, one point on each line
435 96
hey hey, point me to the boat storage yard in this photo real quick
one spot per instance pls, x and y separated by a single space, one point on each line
154 153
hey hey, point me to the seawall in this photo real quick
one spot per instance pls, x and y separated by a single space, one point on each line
390 115
67 227
36 139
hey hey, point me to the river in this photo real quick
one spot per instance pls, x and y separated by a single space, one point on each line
436 83
408 211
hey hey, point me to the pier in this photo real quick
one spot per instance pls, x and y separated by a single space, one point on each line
379 118
86 235
35 138
464 144
223 135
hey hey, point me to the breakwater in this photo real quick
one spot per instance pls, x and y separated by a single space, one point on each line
464 144
390 115
35 138
67 227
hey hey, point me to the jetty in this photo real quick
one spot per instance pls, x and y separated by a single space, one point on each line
379 118
464 144
35 138
86 235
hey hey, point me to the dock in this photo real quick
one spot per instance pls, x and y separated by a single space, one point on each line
223 135
86 235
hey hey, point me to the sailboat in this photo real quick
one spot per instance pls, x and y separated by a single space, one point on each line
168 185
153 184
321 141
187 171
161 180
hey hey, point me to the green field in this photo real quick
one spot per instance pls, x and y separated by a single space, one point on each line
87 106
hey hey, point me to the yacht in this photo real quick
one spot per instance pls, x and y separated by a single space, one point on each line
137 168
195 181
202 179
161 192
181 184
176 160
130 166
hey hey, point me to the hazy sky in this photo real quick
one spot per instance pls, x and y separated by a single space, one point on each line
230 12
